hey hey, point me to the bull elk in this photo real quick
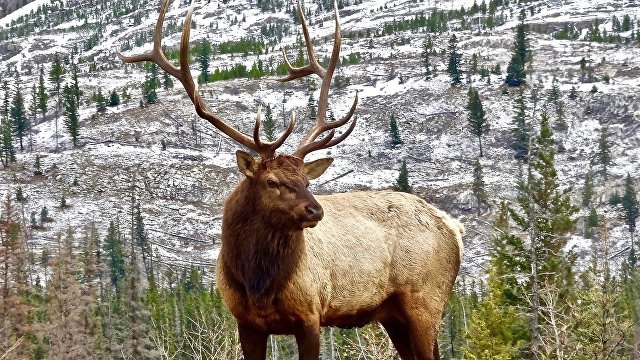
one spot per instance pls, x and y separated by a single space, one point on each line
291 263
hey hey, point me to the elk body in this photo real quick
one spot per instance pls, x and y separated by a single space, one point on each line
291 262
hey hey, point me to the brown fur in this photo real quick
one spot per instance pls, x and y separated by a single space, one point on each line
376 256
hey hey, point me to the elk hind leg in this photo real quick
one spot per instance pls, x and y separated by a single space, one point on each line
423 323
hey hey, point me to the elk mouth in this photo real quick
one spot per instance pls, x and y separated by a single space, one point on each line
309 224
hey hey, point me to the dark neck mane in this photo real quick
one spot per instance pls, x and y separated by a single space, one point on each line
260 256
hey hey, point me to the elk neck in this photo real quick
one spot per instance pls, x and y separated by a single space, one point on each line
261 254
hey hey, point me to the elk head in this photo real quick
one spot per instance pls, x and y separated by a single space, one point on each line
277 183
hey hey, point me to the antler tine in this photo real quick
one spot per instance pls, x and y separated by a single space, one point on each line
183 74
321 125
268 149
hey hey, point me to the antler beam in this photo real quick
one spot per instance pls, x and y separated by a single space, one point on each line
183 74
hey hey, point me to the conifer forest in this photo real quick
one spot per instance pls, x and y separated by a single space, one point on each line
519 118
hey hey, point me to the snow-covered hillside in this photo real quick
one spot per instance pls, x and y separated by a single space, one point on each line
182 188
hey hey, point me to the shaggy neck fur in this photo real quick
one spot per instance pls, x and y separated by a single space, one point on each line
260 251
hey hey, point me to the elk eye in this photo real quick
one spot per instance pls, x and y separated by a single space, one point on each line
272 184
306 185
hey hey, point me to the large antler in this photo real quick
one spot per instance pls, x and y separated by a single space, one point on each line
309 142
265 149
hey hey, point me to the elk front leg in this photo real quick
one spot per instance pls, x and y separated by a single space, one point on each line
253 342
308 340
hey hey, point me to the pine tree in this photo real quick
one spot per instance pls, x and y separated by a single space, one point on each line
478 124
604 151
395 133
454 61
573 93
56 75
101 101
37 169
587 190
427 47
546 215
137 341
33 113
7 100
167 82
478 187
141 239
554 92
591 222
630 207
269 124
43 97
20 121
75 86
516 75
204 52
520 129
113 254
7 151
114 99
402 183
71 115
515 70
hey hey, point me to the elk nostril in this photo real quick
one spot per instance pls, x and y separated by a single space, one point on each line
314 212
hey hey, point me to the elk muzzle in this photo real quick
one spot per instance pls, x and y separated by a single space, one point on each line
310 213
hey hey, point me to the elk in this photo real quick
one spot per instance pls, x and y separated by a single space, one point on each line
291 263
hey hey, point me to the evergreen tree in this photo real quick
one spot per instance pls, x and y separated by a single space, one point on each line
20 121
37 169
395 133
427 47
137 341
478 187
114 99
7 100
167 82
591 223
75 86
113 253
520 129
149 91
604 152
101 102
573 93
56 75
402 183
454 61
33 113
7 151
141 239
515 70
554 92
546 215
630 207
269 124
71 115
204 53
43 97
587 190
478 124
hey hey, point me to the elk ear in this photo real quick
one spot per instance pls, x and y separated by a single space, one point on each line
317 167
246 163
